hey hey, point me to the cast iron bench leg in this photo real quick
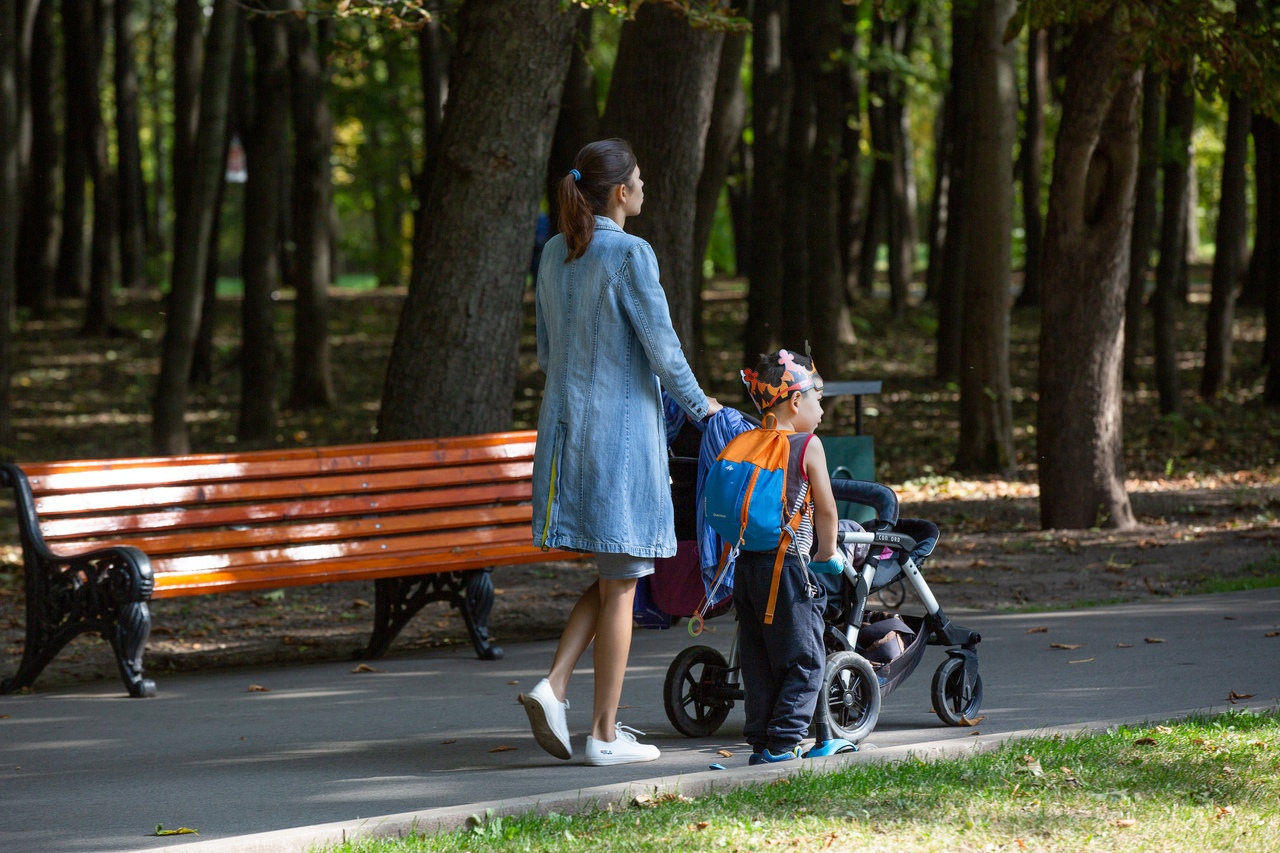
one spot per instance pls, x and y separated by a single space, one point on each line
397 600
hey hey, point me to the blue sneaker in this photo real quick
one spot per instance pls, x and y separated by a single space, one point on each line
767 757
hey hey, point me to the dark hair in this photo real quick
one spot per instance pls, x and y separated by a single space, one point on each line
770 371
602 166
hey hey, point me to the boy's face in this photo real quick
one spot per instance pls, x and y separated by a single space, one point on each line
808 412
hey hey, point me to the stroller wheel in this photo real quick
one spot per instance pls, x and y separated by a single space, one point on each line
893 595
694 691
850 698
956 699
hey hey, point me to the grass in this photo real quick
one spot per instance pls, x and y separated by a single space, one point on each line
1207 783
1263 574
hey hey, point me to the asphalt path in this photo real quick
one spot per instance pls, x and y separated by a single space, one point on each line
89 769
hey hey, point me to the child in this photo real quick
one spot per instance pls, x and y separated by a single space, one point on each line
782 662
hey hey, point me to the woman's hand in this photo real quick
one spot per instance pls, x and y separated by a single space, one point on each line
713 406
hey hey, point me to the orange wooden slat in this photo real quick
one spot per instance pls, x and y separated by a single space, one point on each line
346 484
113 526
338 529
265 466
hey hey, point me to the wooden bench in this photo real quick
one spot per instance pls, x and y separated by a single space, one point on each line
426 520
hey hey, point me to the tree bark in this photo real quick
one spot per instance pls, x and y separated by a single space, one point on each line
130 199
461 321
313 141
1032 162
1229 240
724 132
9 206
794 322
188 60
69 281
432 69
940 201
102 244
660 101
158 212
850 192
950 277
770 113
986 408
37 251
579 119
1079 436
1179 115
1267 141
1263 130
264 159
168 429
1144 218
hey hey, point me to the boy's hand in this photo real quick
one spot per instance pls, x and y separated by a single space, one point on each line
833 566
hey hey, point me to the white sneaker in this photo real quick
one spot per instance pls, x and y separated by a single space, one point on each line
623 749
547 719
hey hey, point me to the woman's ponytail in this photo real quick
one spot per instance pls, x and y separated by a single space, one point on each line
584 192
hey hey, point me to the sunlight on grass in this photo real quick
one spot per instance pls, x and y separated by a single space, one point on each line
1203 784
1263 574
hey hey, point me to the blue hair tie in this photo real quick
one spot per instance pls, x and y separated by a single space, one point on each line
577 176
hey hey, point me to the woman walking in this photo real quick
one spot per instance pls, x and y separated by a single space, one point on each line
600 479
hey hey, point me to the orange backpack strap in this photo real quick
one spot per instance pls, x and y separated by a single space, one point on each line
792 527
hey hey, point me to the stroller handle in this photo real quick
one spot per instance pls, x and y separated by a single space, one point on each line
897 541
867 493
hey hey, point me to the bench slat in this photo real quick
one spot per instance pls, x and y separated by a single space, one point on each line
341 484
85 527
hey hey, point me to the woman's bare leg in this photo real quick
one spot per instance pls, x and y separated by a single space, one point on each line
612 647
578 633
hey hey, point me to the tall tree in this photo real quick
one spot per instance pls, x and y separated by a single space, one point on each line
770 112
461 319
660 101
8 202
188 61
1079 439
102 243
1176 147
579 119
432 67
168 427
1144 216
130 199
1031 160
1262 129
850 199
1229 240
794 319
265 163
986 409
1267 141
38 236
313 142
69 280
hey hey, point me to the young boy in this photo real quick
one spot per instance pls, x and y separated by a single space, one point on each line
782 662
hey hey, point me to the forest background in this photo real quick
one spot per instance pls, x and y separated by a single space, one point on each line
1052 228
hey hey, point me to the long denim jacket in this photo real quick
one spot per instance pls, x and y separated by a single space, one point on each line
605 341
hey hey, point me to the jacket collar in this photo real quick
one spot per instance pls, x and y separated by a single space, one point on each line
607 224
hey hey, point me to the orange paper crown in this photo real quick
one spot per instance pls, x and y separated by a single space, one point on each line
794 378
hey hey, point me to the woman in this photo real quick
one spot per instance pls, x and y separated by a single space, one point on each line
600 480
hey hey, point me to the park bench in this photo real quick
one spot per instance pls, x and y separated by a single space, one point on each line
426 520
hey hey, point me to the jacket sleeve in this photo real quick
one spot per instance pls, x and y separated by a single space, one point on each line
645 305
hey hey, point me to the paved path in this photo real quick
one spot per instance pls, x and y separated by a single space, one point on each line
88 769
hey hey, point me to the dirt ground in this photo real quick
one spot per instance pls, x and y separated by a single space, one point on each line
991 557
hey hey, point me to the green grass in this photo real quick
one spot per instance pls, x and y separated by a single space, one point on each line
1208 783
234 286
1263 574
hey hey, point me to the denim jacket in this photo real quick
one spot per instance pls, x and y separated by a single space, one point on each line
605 342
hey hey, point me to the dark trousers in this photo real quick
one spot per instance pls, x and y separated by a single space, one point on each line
782 663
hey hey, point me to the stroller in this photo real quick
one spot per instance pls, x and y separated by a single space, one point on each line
869 653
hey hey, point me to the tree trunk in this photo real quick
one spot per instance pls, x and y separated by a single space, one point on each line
724 132
1144 218
1267 141
37 259
1263 130
1229 240
158 211
313 142
130 200
188 53
950 282
432 69
850 192
793 314
169 431
1079 438
770 112
986 408
461 321
102 245
579 119
1179 115
660 101
264 152
9 201
1032 162
940 201
69 281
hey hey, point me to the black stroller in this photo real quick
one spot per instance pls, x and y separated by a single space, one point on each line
869 653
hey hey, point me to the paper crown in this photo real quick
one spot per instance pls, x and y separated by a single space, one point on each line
794 378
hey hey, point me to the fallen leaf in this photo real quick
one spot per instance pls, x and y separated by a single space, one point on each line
1164 730
1124 821
1043 629
503 749
360 602
724 753
620 707
965 721
1067 646
1153 639
1272 634
364 667
1082 660
1123 646
702 824
449 741
182 830
514 681
1234 696
1145 741
647 801
1224 811
4 716
258 688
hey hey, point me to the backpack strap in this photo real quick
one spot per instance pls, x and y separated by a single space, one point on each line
791 527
